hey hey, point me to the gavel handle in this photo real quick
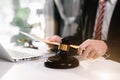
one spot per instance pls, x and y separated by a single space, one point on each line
74 46
54 43
46 41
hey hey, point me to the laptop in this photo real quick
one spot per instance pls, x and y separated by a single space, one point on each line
17 54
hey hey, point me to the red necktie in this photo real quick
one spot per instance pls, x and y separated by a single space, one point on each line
100 21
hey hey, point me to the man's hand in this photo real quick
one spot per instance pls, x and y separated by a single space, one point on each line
56 39
92 48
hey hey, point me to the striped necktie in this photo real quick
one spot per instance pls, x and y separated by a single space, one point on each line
100 20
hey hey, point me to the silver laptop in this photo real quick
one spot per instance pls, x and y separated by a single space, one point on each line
20 54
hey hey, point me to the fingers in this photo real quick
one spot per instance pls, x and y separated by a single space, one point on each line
54 39
92 49
86 52
95 56
80 50
83 49
92 54
53 42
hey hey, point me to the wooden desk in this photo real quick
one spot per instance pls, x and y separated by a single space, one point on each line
98 69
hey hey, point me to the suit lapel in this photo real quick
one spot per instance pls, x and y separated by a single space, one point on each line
114 28
90 19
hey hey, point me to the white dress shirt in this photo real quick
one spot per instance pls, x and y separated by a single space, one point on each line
109 9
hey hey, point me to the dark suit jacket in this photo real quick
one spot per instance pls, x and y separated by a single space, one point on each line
86 27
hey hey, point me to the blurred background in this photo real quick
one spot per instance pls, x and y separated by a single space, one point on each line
41 18
22 15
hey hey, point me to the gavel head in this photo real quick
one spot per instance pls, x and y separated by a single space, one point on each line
65 45
64 48
62 60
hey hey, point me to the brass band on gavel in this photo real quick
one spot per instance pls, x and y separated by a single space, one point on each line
64 47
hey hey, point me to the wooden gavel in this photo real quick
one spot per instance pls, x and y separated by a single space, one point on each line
46 41
55 43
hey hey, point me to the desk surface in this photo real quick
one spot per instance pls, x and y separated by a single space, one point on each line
98 69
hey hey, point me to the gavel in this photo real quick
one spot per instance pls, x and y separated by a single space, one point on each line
36 38
62 59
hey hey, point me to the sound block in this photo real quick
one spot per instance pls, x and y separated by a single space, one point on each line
61 63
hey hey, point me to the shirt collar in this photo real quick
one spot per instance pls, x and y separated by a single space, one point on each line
112 1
